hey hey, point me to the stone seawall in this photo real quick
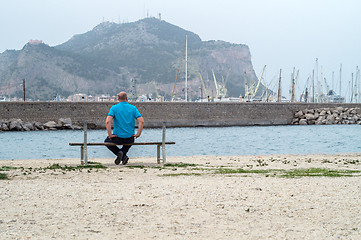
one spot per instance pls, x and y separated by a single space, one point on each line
175 114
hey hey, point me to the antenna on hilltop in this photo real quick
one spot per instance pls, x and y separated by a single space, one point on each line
160 16
144 10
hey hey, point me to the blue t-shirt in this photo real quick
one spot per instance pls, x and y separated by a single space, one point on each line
124 115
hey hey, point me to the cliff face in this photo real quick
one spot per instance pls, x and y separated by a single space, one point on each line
141 57
228 61
49 72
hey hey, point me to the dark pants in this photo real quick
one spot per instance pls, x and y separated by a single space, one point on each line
119 140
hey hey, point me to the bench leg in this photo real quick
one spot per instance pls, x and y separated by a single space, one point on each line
158 154
163 153
82 155
163 143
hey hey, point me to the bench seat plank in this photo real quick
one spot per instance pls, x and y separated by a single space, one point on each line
114 144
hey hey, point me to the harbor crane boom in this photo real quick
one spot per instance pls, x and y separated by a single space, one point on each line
327 86
225 82
204 86
216 84
259 82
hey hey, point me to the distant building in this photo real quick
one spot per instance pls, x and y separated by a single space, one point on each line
79 97
103 98
91 98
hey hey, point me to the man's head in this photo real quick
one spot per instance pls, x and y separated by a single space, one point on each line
122 97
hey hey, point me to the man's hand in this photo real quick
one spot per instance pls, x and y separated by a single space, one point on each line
108 125
136 135
112 136
140 127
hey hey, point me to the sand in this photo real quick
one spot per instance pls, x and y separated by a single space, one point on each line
145 201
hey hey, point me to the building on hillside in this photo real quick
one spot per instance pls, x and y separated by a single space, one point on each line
79 97
3 99
35 42
103 98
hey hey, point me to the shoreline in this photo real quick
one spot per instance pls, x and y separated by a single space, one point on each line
195 197
41 162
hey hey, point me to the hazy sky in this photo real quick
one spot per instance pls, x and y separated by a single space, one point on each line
281 34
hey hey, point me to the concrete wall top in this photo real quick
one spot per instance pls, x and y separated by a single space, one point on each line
175 114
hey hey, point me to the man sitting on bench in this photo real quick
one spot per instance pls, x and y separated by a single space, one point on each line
123 116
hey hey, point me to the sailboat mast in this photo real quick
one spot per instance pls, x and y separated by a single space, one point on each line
355 89
359 85
293 86
351 88
333 81
186 72
313 85
279 95
340 78
317 82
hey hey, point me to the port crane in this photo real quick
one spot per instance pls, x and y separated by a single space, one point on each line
259 82
221 89
216 84
204 87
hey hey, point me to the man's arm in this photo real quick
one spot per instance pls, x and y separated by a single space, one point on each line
140 127
108 125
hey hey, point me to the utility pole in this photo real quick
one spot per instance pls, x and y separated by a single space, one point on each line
201 93
24 88
134 81
245 84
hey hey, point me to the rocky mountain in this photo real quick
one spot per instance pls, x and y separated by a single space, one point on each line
143 57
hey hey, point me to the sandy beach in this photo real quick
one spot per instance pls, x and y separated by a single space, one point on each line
198 197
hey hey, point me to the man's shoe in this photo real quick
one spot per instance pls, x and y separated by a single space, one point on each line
119 158
125 159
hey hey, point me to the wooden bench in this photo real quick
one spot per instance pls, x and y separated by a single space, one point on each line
84 146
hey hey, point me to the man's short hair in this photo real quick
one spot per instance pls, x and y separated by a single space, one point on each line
122 96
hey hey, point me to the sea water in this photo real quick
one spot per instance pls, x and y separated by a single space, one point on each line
190 141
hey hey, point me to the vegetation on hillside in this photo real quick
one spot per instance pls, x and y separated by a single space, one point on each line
107 59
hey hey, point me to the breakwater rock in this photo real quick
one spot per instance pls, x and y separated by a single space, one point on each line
19 125
337 115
